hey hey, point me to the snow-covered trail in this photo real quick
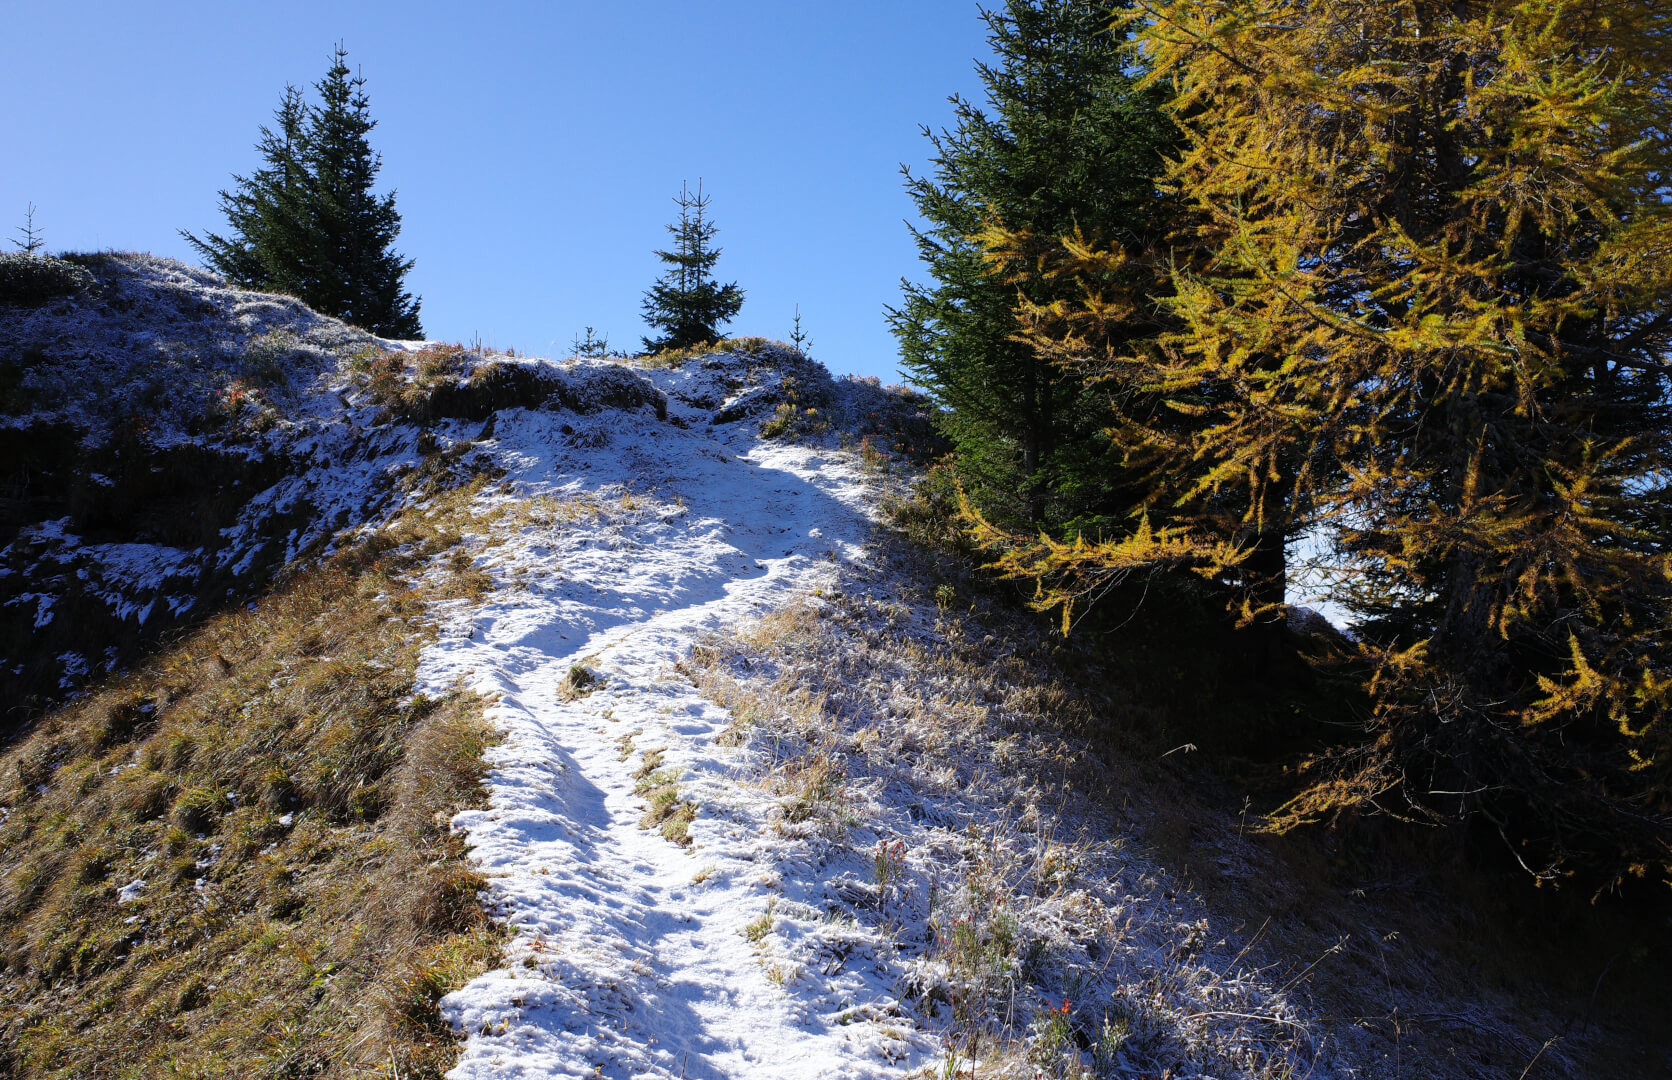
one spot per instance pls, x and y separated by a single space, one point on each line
631 956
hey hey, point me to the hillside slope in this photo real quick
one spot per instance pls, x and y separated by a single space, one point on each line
168 442
769 792
770 806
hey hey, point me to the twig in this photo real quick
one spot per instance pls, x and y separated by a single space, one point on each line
1548 1043
1248 1016
1331 951
1244 951
1585 1026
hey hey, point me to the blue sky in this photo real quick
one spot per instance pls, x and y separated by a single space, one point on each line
535 147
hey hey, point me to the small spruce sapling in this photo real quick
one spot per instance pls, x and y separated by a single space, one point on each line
591 346
798 337
32 242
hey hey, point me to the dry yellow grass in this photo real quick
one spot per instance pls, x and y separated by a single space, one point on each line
667 358
284 800
400 381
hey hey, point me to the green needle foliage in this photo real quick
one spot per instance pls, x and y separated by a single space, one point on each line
32 243
1068 142
687 304
264 211
308 223
1421 305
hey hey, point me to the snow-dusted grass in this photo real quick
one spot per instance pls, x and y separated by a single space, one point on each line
769 805
235 861
1027 932
841 841
27 279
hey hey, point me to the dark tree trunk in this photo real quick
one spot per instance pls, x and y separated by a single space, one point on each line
1266 577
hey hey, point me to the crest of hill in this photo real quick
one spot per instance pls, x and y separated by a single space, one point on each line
175 441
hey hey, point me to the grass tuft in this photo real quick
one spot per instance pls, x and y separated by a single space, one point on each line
27 280
665 811
745 346
579 683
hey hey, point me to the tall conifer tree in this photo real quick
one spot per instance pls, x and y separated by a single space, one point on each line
264 210
309 222
1066 141
1424 306
354 271
687 304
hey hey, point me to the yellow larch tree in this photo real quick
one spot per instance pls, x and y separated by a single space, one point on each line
1419 308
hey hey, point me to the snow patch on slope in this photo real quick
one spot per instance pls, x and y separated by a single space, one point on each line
631 952
760 948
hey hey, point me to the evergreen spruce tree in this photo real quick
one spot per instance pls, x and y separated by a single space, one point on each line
353 272
308 222
266 246
590 345
802 343
687 304
1066 142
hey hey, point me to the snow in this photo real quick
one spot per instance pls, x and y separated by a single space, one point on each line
765 948
636 956
146 351
74 665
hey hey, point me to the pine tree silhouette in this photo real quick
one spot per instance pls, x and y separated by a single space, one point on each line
308 222
31 242
687 304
